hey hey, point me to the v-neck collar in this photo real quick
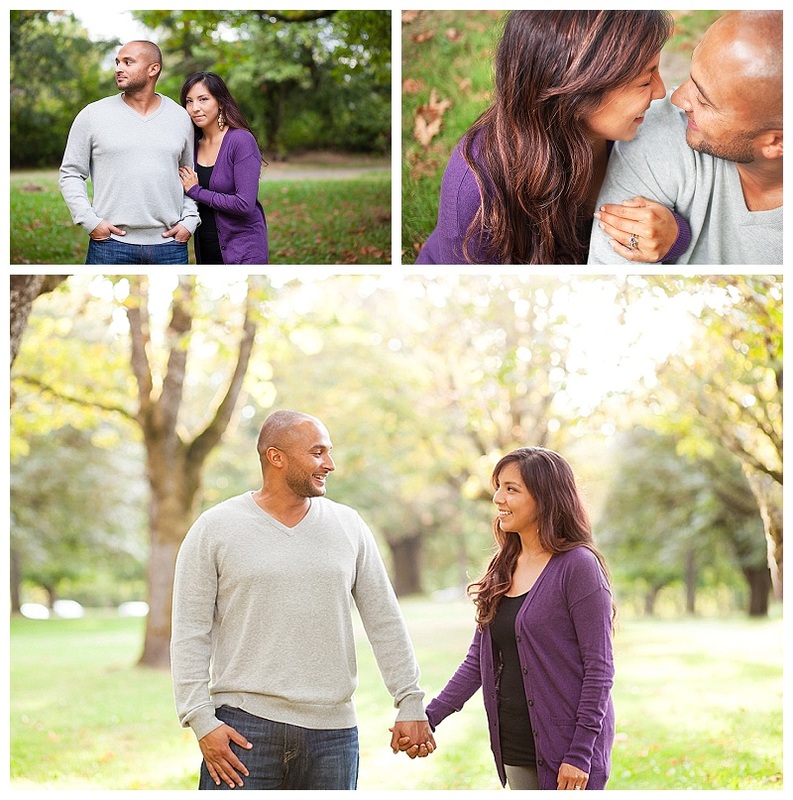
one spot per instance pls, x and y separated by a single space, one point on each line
143 117
277 524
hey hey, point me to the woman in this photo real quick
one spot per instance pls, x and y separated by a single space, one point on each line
225 182
522 184
542 648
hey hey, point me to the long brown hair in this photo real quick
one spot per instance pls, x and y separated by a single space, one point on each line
529 151
216 86
562 524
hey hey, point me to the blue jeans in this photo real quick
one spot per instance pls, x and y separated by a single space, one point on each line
110 251
289 757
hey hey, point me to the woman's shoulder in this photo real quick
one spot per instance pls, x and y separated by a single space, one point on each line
241 138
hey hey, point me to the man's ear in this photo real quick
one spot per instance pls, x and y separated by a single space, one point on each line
274 457
771 144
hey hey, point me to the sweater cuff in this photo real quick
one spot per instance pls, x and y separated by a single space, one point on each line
411 708
204 721
680 245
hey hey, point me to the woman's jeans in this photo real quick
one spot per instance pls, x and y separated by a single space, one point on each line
111 251
289 757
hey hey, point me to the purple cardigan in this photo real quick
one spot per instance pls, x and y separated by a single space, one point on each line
563 631
233 194
460 199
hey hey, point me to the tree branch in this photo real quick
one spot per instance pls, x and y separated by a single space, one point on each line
79 401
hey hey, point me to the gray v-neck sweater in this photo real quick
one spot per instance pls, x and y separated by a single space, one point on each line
133 162
262 618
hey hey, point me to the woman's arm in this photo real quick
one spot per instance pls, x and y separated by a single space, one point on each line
246 164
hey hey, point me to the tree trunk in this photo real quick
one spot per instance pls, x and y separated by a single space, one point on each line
406 558
691 582
24 290
768 493
171 512
759 582
16 582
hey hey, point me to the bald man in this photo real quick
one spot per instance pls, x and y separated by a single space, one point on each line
131 146
712 151
262 647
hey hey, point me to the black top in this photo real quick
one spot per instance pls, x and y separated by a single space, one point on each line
517 740
207 232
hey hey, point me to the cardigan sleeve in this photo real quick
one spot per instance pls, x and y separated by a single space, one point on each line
461 686
246 163
591 612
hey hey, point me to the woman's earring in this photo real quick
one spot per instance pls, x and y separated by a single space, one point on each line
221 120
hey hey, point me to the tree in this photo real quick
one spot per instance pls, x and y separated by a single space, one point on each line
670 518
24 290
728 388
180 420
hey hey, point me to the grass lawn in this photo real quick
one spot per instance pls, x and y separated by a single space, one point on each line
699 706
451 53
330 221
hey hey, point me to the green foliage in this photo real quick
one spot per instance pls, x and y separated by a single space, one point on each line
285 69
699 705
667 513
78 521
55 71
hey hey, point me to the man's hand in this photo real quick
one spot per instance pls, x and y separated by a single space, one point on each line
413 737
179 232
103 230
222 763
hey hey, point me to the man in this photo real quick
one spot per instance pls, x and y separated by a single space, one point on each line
714 154
262 647
131 145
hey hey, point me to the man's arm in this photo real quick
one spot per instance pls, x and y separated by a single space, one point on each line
652 166
74 172
387 632
194 597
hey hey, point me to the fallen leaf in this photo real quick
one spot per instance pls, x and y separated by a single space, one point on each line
420 38
409 16
453 35
428 118
412 86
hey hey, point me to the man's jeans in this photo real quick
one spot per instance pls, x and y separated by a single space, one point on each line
289 757
110 251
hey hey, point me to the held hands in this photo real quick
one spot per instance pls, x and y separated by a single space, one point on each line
640 229
222 763
413 737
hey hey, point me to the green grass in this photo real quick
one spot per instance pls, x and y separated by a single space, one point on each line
345 221
699 705
452 52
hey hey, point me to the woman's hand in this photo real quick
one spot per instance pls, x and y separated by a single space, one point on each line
571 777
188 177
640 229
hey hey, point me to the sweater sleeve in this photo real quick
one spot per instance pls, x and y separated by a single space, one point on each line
461 686
246 164
75 171
194 597
386 629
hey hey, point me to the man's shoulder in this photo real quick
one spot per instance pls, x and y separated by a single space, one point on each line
340 510
220 512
